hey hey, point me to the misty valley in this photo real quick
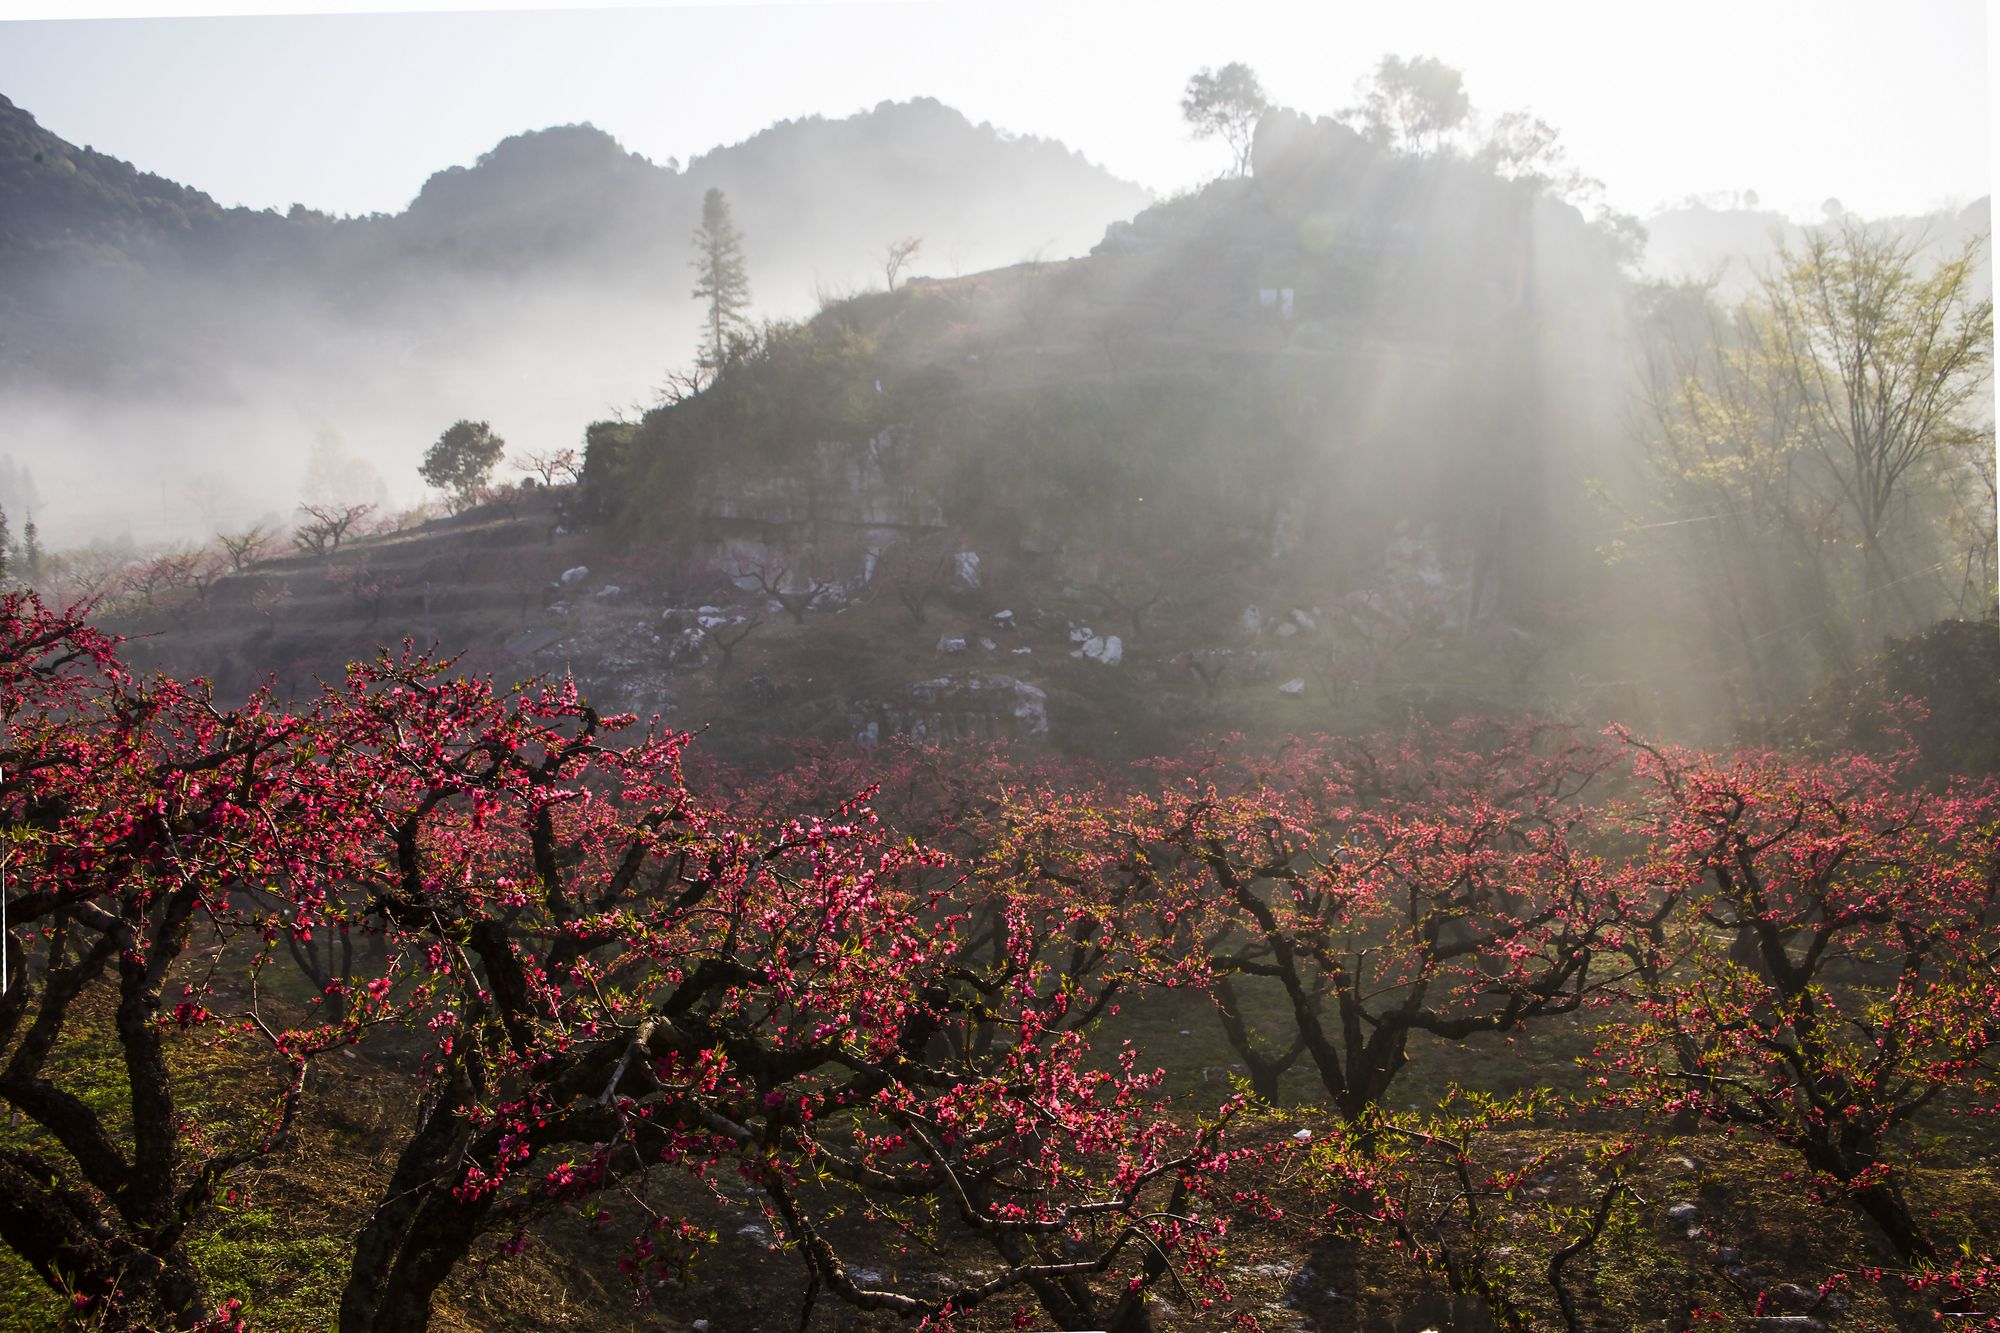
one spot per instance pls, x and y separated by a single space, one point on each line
884 729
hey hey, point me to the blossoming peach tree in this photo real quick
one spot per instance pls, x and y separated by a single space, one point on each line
630 996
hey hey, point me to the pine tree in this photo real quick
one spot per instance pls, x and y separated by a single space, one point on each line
31 551
6 546
724 282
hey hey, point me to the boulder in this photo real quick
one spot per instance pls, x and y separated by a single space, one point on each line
1106 651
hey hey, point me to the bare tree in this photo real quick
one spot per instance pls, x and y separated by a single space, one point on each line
917 568
684 385
269 601
210 567
326 525
159 578
244 548
1208 669
772 578
727 637
555 467
367 588
899 254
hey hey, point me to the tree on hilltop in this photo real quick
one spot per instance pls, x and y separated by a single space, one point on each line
462 459
724 282
1226 104
1411 105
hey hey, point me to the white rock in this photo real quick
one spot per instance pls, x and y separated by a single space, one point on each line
1253 620
1304 621
968 568
987 644
1023 652
1107 651
1004 619
1303 1136
576 574
609 590
1293 687
1287 630
951 643
1080 634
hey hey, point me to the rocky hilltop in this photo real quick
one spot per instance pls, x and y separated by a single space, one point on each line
1307 445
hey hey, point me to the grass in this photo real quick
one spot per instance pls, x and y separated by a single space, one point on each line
279 1242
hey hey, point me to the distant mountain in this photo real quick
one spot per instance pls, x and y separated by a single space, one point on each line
542 286
1732 245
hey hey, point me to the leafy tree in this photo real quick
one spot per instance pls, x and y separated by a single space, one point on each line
1226 104
1523 147
723 281
462 460
1729 501
1412 105
1819 457
1890 365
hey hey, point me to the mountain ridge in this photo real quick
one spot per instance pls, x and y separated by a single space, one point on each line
542 285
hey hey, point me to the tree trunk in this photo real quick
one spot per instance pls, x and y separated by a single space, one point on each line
394 1270
63 1237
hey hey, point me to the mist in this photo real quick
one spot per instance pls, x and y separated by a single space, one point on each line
173 384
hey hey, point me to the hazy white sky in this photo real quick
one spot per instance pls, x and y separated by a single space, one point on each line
1882 104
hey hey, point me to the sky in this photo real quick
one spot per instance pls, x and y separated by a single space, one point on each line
1884 106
